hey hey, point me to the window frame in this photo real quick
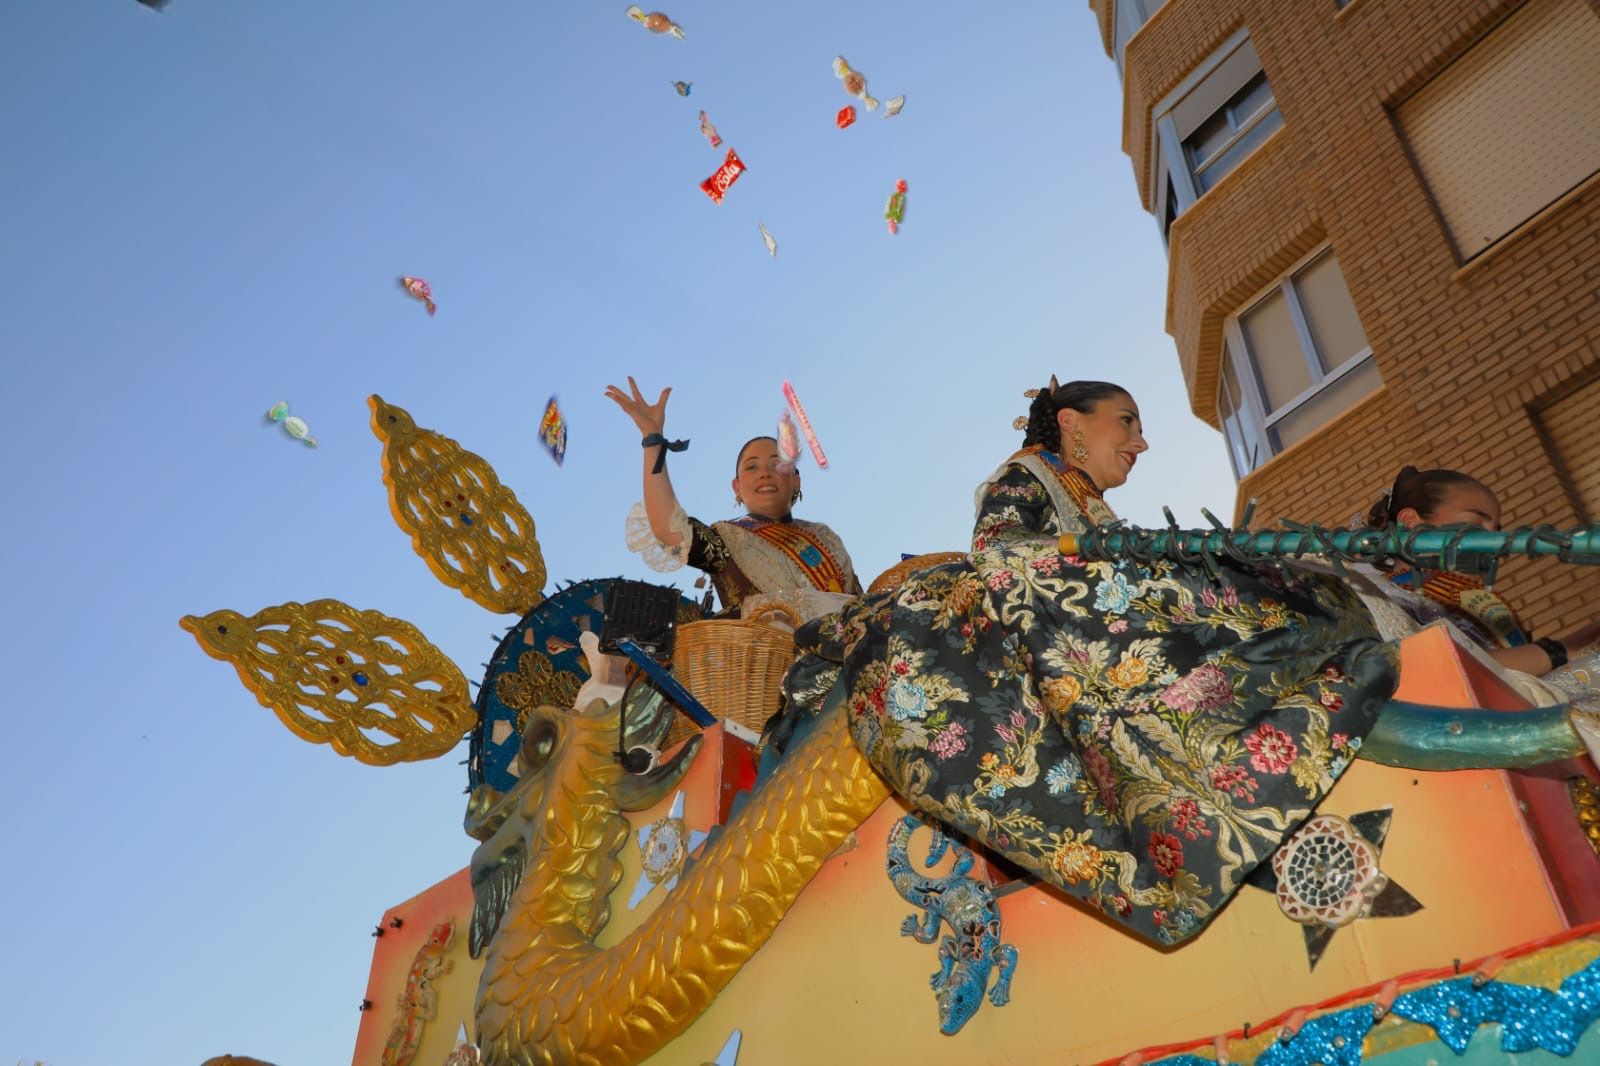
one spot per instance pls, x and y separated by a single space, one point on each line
1241 362
1167 145
1467 252
1240 129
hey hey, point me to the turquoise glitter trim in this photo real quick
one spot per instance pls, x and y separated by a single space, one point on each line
1530 1019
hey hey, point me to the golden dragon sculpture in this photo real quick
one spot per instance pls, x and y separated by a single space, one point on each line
548 994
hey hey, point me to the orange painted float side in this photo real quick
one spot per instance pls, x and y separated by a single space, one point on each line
838 969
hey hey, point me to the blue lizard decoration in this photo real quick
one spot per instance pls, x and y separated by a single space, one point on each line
968 956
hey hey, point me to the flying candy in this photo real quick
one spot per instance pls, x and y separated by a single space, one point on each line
709 132
418 288
896 211
294 425
805 426
656 22
155 5
855 82
892 108
788 442
767 238
845 117
683 87
719 183
553 431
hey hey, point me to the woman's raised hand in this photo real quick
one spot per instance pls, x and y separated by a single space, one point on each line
649 417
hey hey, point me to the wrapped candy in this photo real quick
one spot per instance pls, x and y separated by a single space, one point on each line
892 108
719 183
709 132
419 289
655 22
805 426
855 82
553 431
788 443
896 211
292 424
845 117
767 239
683 87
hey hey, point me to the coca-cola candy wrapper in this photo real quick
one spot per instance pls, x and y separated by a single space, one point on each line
719 183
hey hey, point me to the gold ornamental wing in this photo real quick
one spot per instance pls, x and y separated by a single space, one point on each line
469 528
370 685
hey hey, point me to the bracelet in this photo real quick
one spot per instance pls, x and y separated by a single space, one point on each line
1556 650
656 440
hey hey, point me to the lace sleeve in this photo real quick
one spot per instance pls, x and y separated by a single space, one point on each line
661 558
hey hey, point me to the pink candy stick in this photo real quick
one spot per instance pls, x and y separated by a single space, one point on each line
805 426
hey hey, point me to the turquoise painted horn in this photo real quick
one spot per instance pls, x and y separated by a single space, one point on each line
1419 737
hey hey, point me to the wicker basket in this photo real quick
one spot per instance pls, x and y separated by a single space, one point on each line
897 574
734 666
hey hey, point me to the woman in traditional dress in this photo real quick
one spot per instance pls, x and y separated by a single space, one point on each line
764 558
1139 735
1570 664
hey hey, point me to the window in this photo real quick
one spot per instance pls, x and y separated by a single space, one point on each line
1512 125
1296 358
1127 16
1568 427
1244 445
1169 210
1232 133
1125 22
1215 118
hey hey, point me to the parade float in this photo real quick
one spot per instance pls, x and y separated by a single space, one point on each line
638 892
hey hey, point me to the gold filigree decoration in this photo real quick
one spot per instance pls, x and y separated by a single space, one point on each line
536 682
1585 796
337 675
469 528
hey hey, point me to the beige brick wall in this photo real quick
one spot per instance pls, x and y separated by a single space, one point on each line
1468 354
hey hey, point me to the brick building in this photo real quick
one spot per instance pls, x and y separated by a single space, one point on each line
1382 221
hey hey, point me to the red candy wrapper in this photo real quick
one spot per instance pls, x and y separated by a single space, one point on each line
719 183
419 289
845 117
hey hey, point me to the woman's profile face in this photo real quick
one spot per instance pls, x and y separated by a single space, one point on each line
1112 435
1471 505
766 489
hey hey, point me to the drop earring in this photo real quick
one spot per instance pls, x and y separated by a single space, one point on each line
1079 451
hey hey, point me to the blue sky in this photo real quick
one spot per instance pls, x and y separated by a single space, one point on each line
206 210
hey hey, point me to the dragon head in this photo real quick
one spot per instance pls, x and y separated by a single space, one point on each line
571 778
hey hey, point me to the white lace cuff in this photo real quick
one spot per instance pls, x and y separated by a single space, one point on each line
661 558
